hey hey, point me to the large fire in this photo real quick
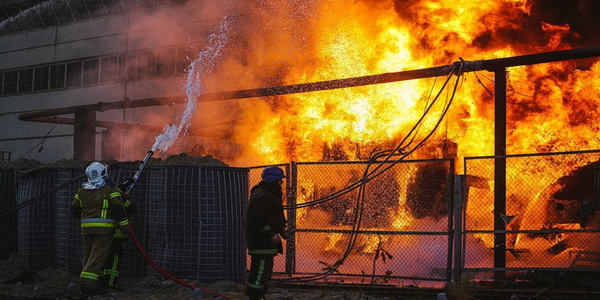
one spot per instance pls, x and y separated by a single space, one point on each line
327 40
551 107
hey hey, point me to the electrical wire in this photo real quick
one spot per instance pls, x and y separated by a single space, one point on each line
508 89
38 197
41 144
388 153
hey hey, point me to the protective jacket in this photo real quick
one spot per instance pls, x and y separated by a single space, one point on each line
101 210
265 218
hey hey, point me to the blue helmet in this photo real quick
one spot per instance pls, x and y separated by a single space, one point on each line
271 174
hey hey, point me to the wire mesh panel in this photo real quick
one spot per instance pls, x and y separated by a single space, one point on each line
36 222
69 251
222 209
399 229
175 240
8 224
197 230
156 213
550 219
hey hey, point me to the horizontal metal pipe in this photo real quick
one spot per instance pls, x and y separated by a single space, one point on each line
468 66
100 107
136 127
104 124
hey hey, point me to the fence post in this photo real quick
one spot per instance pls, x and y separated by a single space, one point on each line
459 197
499 172
290 251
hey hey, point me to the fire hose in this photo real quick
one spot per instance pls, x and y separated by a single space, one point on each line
145 255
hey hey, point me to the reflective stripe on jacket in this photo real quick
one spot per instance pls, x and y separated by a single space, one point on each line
101 210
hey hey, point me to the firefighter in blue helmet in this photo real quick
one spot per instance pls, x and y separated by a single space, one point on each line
100 208
265 228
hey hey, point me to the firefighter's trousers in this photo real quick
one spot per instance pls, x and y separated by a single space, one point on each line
261 269
95 251
113 262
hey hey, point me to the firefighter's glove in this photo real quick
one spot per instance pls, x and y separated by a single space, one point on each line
123 186
275 239
283 234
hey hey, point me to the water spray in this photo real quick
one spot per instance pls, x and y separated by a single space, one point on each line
199 68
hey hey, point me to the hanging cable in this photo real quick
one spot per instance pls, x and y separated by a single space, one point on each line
41 144
38 197
387 153
369 175
508 89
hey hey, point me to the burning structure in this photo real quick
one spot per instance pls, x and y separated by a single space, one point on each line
283 44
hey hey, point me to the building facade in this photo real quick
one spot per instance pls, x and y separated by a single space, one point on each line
69 58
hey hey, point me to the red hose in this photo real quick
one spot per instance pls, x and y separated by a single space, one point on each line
165 273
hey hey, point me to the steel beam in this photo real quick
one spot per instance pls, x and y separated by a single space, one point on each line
84 140
468 66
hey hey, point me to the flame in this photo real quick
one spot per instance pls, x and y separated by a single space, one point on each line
324 40
332 242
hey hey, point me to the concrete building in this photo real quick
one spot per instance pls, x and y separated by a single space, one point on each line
71 58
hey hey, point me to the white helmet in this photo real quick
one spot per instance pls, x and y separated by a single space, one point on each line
97 174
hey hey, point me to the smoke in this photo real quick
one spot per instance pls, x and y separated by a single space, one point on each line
53 12
524 25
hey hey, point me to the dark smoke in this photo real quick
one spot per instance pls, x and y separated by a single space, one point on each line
524 31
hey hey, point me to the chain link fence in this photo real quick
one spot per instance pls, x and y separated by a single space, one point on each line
549 218
401 226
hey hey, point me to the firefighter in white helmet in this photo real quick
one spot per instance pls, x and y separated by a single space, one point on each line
100 207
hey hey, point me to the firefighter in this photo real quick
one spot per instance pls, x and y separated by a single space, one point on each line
100 208
112 266
265 228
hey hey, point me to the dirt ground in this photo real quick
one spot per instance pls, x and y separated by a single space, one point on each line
52 283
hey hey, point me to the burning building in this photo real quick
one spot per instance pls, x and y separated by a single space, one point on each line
145 46
105 57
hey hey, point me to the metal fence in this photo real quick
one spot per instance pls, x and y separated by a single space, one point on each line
418 221
549 217
189 219
8 223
